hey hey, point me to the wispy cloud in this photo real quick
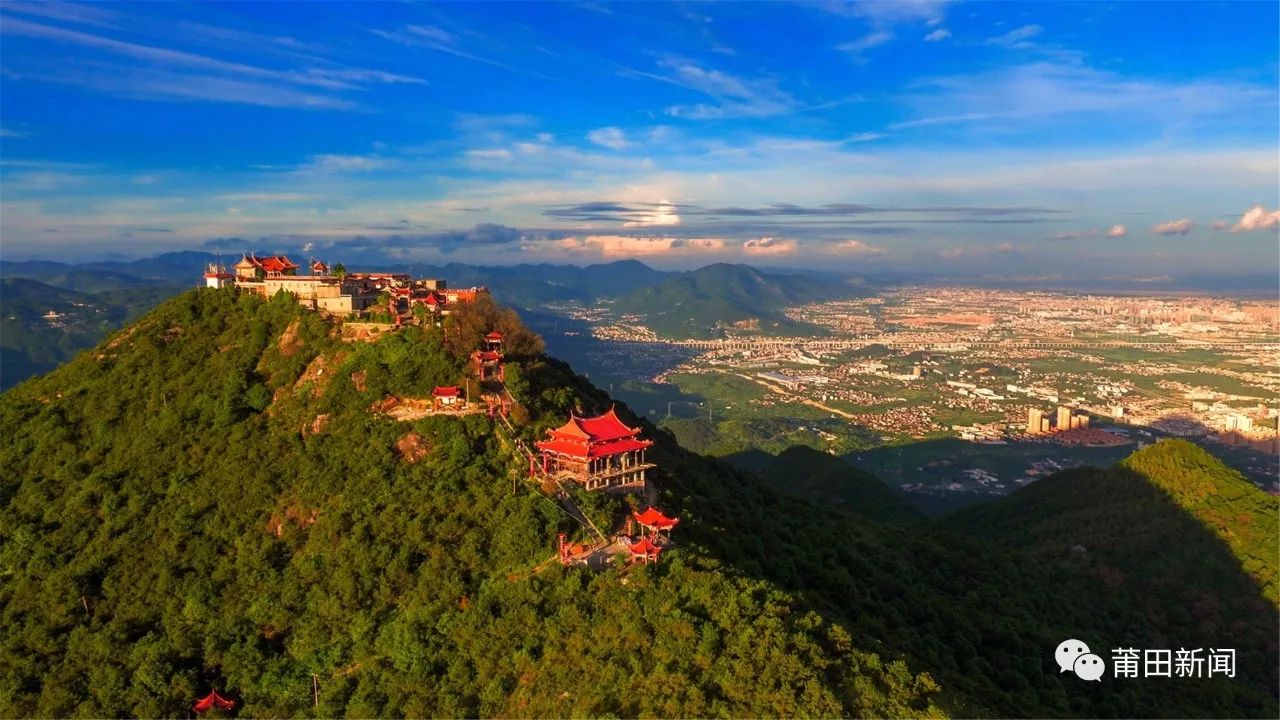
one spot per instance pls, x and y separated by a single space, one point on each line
490 154
733 96
938 35
892 12
866 42
854 248
1017 38
431 37
1115 231
13 134
165 85
331 163
1061 91
1174 227
663 214
167 73
865 137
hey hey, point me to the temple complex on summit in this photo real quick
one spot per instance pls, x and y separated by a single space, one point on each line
600 453
337 292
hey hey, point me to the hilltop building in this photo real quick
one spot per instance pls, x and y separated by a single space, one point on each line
216 276
600 453
321 290
337 292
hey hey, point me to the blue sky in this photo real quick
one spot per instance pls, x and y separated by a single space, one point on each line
998 138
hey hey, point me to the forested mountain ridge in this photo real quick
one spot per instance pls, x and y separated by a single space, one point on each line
178 516
32 341
700 303
206 500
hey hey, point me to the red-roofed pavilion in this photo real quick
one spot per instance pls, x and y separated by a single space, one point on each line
599 452
213 700
445 396
488 365
653 520
644 550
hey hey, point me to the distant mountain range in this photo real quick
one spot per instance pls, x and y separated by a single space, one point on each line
698 303
43 326
704 302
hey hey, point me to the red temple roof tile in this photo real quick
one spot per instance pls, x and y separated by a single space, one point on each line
213 700
652 517
447 391
644 548
607 427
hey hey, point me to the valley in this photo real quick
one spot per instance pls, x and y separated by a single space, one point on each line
931 388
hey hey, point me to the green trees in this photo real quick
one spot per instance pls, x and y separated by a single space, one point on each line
173 521
173 517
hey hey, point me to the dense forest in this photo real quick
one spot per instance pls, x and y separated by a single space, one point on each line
209 499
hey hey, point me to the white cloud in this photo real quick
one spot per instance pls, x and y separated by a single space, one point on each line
490 154
865 137
734 97
769 246
1017 38
226 72
866 42
329 163
1174 227
1220 225
1257 218
440 40
938 35
1075 235
1115 231
855 248
1063 91
430 33
892 12
611 137
613 246
13 134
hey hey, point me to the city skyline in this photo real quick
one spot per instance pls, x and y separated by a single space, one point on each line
932 136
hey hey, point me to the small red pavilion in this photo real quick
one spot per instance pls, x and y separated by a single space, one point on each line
599 452
213 700
643 550
488 365
654 521
449 396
